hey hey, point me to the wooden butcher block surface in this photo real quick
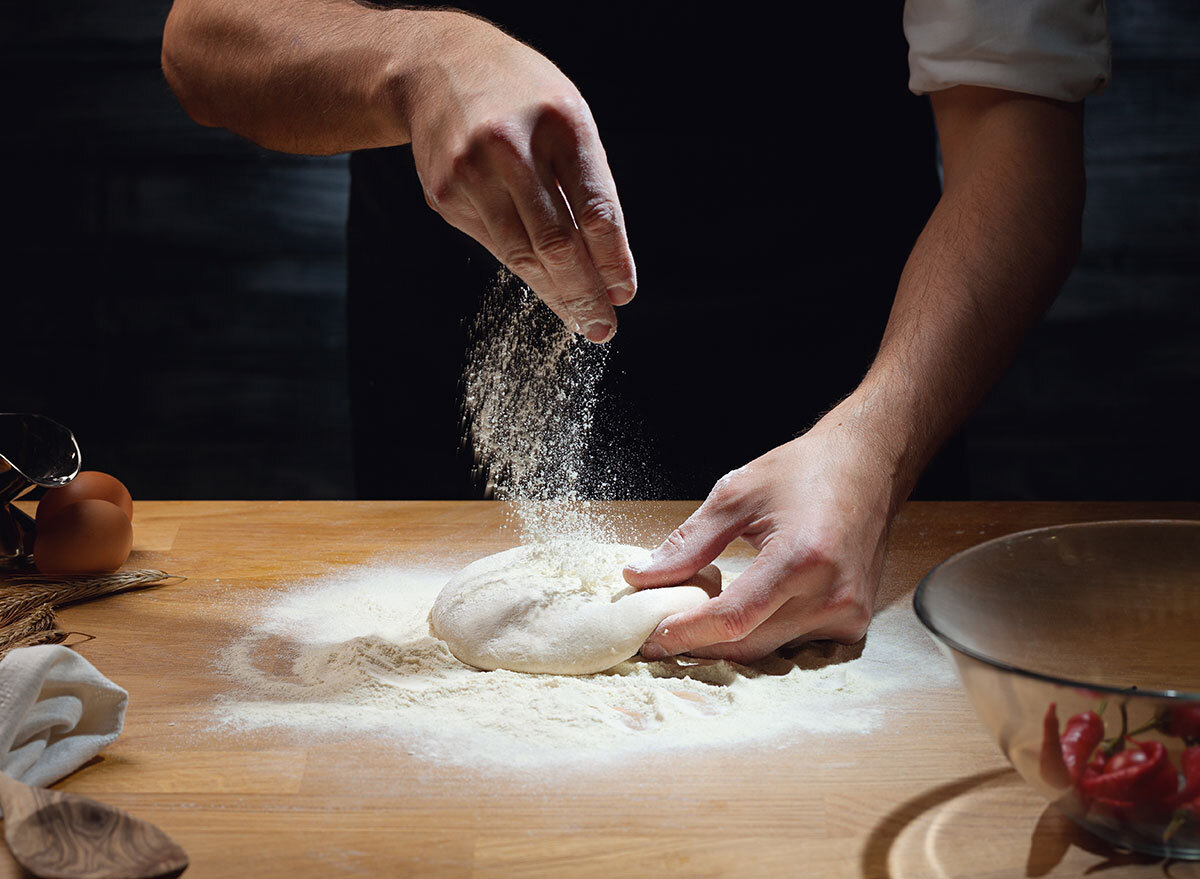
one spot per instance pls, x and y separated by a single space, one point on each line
924 793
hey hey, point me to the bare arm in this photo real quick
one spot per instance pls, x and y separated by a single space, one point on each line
505 146
992 256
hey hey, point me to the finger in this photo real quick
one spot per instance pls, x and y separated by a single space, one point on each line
732 616
457 210
487 214
559 247
582 171
471 224
501 225
845 622
691 546
809 616
782 628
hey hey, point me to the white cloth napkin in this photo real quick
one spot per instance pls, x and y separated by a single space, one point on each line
56 713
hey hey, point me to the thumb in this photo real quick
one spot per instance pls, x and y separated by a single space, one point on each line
748 602
690 547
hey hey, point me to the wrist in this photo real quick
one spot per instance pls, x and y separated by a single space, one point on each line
420 44
882 444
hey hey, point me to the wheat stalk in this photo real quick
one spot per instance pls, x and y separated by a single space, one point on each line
17 607
49 636
29 629
27 601
20 593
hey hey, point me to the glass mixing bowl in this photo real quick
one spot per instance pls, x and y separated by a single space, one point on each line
1079 647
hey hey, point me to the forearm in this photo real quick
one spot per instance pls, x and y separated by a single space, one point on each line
301 76
503 143
993 255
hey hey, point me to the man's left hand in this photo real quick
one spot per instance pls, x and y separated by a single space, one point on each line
818 510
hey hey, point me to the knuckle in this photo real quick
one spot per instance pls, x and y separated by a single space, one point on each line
727 491
556 246
440 193
584 308
856 626
732 621
497 136
522 262
678 539
851 614
486 143
600 217
565 109
464 167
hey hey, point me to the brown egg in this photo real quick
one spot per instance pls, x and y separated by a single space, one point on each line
90 536
88 485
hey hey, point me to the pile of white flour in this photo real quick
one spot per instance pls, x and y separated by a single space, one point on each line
354 654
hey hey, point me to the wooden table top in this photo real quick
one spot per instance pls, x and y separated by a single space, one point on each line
927 795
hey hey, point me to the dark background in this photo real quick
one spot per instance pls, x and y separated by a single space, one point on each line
176 295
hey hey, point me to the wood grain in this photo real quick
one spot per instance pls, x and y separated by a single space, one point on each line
928 794
59 835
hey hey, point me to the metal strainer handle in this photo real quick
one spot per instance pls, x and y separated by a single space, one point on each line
34 450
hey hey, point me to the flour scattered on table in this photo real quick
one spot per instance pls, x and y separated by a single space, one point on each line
354 654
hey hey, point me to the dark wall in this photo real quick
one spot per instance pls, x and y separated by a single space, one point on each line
178 292
176 295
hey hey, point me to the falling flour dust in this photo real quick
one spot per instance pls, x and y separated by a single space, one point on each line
530 390
354 653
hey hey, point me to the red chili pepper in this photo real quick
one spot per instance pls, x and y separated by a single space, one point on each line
1190 763
1080 737
1136 783
1182 721
1064 757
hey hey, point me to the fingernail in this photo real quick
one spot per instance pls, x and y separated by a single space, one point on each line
634 567
598 332
620 294
653 652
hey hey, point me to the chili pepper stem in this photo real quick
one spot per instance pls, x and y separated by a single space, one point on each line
1143 728
1177 821
1117 743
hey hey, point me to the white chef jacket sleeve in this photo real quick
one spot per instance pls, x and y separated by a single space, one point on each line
1053 48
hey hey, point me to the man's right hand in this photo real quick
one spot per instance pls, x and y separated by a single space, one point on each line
508 152
505 146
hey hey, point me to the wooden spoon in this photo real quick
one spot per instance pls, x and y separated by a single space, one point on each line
56 835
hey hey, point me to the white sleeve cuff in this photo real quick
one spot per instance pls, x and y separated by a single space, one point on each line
1053 48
